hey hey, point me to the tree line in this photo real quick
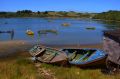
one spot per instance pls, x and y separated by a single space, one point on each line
29 13
109 15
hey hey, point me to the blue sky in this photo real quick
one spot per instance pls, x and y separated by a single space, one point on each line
60 5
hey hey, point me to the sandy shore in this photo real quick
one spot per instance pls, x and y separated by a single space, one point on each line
14 48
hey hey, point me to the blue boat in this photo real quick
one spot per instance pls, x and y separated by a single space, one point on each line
85 57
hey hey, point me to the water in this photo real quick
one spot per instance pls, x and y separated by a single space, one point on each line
75 34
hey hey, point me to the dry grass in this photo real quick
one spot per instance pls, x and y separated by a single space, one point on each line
18 69
77 73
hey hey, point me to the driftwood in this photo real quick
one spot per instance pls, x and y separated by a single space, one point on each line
113 49
111 45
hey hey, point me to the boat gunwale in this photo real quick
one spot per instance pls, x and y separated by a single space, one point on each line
98 59
86 63
55 49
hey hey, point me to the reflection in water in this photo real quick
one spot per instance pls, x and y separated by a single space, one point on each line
111 24
6 23
39 37
31 36
12 34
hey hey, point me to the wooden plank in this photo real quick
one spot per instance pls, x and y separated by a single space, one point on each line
113 49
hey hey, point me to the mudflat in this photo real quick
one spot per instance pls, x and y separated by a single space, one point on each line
20 47
10 48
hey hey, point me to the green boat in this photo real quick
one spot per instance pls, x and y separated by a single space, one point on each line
48 55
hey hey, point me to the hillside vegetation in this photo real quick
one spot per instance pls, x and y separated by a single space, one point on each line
110 15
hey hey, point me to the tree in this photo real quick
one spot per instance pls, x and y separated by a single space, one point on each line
25 12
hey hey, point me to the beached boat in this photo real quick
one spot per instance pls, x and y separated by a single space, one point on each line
48 55
29 32
85 57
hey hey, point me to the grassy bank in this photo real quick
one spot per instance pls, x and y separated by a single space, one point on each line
77 73
18 69
25 69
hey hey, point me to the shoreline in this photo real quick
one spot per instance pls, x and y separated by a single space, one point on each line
20 47
11 48
98 46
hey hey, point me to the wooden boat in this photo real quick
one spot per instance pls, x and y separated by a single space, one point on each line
29 32
85 57
48 55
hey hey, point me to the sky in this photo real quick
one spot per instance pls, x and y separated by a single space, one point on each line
60 5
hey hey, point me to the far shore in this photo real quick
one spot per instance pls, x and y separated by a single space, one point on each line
18 47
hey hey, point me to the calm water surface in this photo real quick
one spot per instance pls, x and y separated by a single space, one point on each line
75 34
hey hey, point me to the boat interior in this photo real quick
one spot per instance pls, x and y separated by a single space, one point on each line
48 54
79 55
